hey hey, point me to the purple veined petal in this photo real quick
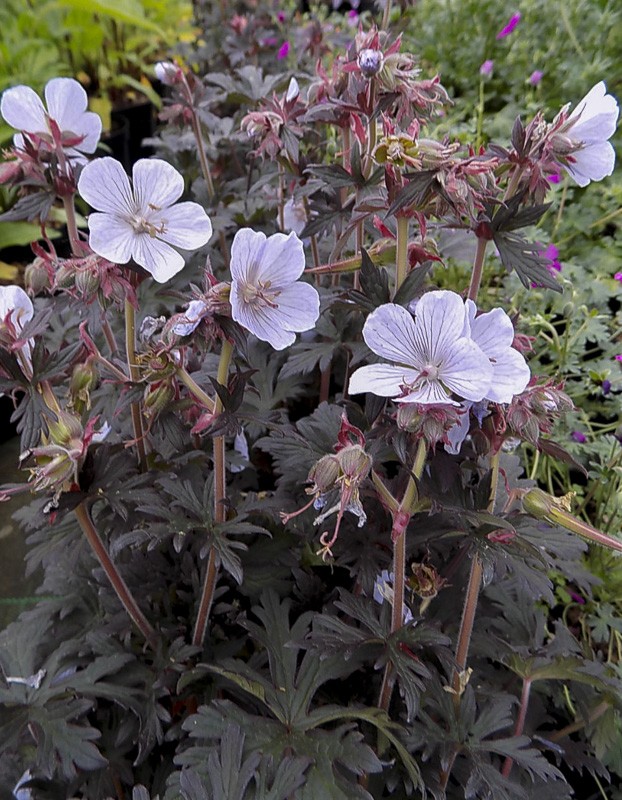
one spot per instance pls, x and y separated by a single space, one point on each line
383 380
21 108
246 250
156 257
280 261
458 432
439 318
298 307
256 320
105 187
157 184
66 101
592 163
510 376
596 129
493 331
111 236
390 332
14 299
466 370
428 393
186 225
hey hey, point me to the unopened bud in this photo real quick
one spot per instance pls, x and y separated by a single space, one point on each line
324 474
370 62
65 276
36 276
355 463
158 398
87 283
84 379
427 422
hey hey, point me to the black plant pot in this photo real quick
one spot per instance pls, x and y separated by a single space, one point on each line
140 121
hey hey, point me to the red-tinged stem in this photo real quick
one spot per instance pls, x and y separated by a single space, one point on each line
478 267
220 510
136 411
118 584
520 723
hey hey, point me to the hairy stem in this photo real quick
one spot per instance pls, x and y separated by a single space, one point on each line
478 266
118 584
220 510
72 227
401 262
195 389
520 723
130 351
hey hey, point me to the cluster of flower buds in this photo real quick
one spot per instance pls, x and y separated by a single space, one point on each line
429 422
274 115
534 411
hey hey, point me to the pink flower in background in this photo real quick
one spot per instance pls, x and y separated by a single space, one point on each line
487 67
283 50
536 77
281 16
507 30
554 178
618 277
552 255
578 437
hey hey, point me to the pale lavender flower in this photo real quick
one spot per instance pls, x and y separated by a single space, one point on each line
142 220
431 355
294 216
487 67
66 101
592 124
266 296
507 29
168 73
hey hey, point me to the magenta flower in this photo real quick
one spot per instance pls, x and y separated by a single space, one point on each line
536 77
578 437
618 277
486 68
507 30
555 178
283 51
552 255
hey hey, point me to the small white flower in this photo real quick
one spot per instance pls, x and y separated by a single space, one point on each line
191 318
66 103
167 73
266 296
592 124
431 354
294 216
15 311
293 90
142 219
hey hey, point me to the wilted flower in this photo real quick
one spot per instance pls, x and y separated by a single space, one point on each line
15 311
141 220
64 122
507 29
383 590
431 355
266 296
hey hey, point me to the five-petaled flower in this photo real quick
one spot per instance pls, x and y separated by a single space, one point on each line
591 125
65 116
142 220
266 296
432 355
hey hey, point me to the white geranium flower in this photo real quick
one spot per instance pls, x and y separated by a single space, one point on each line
431 355
592 123
493 333
266 296
142 220
66 103
15 311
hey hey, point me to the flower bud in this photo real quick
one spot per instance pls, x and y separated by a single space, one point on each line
65 276
427 422
87 283
157 398
370 62
324 475
37 276
84 379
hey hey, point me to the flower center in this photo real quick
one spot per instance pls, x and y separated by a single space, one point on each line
429 372
259 294
141 224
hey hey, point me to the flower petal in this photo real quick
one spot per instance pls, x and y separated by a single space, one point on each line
458 432
105 187
493 331
298 307
439 318
91 130
111 236
466 370
279 259
186 225
66 101
257 320
14 299
384 380
596 115
510 376
22 109
157 184
156 257
592 163
428 393
390 332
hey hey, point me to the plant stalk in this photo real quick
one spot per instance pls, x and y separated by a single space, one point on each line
113 575
520 723
478 267
401 256
130 350
220 509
